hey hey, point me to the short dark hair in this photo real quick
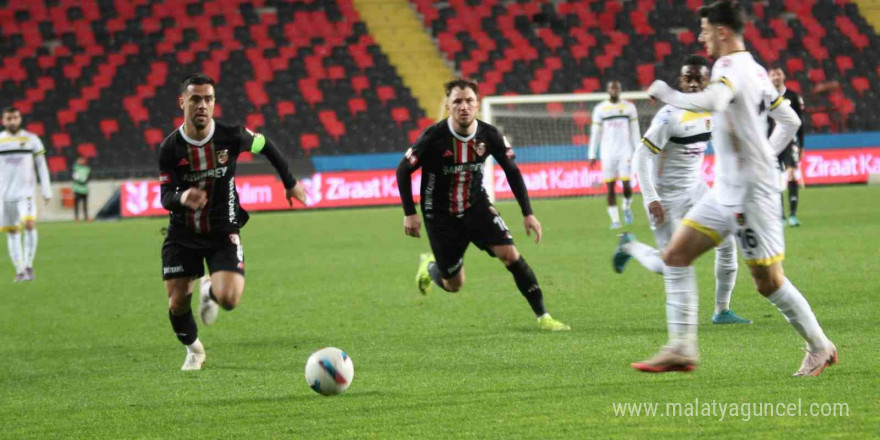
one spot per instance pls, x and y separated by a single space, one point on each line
196 79
776 67
696 60
726 13
11 110
462 83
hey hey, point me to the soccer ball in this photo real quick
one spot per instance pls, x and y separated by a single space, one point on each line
329 371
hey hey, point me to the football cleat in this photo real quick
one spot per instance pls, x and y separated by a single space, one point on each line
29 274
729 317
547 322
620 258
815 363
615 225
423 278
19 277
793 221
627 216
195 357
208 308
666 361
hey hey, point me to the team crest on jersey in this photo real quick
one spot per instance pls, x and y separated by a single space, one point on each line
740 219
480 149
223 157
708 124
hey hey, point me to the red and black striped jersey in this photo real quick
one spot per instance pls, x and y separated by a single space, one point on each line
209 165
453 166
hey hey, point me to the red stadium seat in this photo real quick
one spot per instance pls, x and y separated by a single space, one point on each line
255 121
580 139
285 109
308 142
386 93
153 137
357 105
400 115
109 127
57 164
87 150
60 140
844 63
645 74
820 121
36 128
861 85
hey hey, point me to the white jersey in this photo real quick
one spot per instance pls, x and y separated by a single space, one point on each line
678 140
18 153
615 130
745 163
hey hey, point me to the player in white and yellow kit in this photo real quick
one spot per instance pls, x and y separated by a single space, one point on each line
669 167
744 200
20 150
615 132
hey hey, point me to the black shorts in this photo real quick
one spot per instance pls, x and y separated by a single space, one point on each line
184 254
450 235
790 157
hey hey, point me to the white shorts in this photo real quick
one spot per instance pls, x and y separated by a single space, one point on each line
675 209
614 169
758 227
13 213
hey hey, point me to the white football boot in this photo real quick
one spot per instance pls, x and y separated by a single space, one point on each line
208 308
195 357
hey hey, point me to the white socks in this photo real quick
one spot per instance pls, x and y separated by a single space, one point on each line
30 246
612 212
797 312
14 243
725 273
195 347
627 203
646 255
681 309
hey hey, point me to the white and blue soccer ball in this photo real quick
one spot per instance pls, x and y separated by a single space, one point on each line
329 371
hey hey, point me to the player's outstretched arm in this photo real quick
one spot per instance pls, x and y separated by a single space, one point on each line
293 189
595 135
787 124
714 98
411 221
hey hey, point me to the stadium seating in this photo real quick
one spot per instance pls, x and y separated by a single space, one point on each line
528 47
100 78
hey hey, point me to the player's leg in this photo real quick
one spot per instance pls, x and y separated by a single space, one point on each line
725 279
651 258
85 203
609 171
76 200
182 322
702 229
487 230
10 224
225 286
793 190
761 240
444 267
29 219
625 173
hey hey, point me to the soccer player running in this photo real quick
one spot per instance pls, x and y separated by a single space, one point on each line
615 132
455 205
789 159
197 175
744 200
668 163
20 150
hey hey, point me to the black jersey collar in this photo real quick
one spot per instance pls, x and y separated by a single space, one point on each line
458 136
201 142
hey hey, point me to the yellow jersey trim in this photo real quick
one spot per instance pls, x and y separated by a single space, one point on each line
778 102
727 83
688 116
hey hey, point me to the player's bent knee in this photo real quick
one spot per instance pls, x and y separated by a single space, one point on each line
673 257
768 279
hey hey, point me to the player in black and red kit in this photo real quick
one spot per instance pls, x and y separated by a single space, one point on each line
455 205
789 159
197 175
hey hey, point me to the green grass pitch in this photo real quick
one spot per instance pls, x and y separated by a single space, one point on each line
87 350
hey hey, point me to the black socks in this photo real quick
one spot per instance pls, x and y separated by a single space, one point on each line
793 189
184 327
527 284
434 271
